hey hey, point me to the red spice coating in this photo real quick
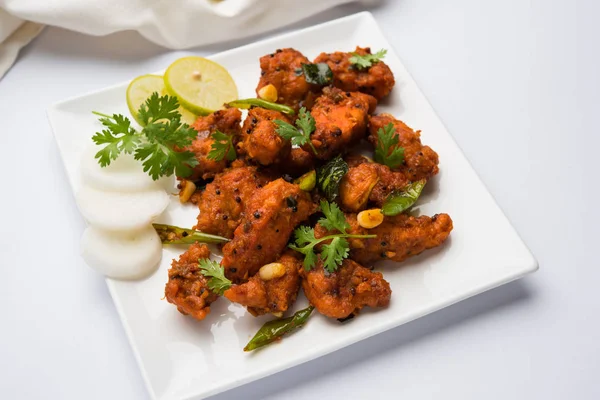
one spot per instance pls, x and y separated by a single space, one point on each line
377 80
347 290
187 287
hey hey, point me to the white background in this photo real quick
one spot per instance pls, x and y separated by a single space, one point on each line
517 83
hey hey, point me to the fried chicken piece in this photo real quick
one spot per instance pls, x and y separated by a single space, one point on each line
368 182
272 296
187 287
389 181
398 237
226 121
341 121
297 163
420 162
279 69
376 80
345 291
356 186
222 202
259 138
271 215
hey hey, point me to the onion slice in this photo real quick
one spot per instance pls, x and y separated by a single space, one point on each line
130 255
125 174
121 211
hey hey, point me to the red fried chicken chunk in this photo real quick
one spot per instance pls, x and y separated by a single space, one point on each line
420 162
368 183
398 237
269 219
260 141
222 202
297 163
274 295
226 121
376 80
340 120
345 291
187 287
280 70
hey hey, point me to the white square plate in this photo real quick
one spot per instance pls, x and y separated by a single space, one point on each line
182 358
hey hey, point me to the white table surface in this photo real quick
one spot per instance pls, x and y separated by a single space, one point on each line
516 82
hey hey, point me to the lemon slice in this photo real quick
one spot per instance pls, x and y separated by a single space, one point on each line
200 85
142 87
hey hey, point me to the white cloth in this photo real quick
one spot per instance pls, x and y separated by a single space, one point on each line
175 24
8 24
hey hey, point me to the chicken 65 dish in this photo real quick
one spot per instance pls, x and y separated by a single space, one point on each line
259 199
308 190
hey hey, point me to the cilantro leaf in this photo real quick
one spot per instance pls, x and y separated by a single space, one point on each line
129 143
367 60
153 158
118 137
217 281
305 122
156 108
333 254
158 154
160 143
316 74
159 160
387 150
118 124
310 259
305 243
110 151
300 134
171 133
334 217
304 235
285 129
222 147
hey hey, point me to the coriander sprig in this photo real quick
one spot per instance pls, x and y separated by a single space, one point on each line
118 137
217 282
155 144
367 60
333 253
300 134
387 151
222 147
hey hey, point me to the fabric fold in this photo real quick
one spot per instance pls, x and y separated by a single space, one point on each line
10 47
176 24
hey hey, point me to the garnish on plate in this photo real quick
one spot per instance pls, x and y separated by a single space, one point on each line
367 60
316 74
333 253
155 145
308 181
217 282
262 103
200 84
387 151
142 87
300 134
170 234
398 202
222 148
330 176
276 329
